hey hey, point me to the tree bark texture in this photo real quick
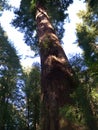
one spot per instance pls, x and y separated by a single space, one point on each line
56 73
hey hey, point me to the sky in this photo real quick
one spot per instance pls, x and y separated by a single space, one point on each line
17 38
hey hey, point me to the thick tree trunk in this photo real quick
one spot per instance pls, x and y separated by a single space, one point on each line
56 73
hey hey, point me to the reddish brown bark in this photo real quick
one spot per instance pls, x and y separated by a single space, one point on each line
56 73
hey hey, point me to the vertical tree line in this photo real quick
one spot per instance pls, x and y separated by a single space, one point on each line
8 76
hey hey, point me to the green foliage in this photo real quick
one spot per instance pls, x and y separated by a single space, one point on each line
7 51
32 92
87 33
84 110
13 104
93 4
4 5
9 68
73 114
25 18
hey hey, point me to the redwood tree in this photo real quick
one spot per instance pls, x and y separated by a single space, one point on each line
57 76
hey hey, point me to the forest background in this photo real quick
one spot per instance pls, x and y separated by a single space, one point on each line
26 53
20 89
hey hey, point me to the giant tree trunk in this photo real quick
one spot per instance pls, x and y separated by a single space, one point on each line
56 73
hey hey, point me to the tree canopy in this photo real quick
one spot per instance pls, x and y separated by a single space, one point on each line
87 33
25 18
9 69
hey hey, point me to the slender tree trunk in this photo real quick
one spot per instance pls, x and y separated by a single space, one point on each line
56 73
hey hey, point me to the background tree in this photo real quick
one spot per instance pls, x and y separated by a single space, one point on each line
87 33
9 68
32 93
10 71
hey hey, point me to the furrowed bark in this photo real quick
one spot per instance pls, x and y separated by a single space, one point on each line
56 73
